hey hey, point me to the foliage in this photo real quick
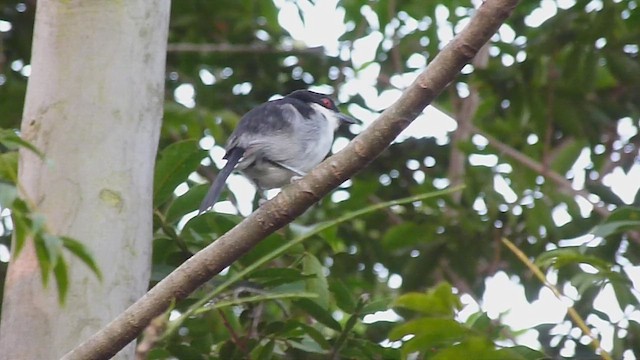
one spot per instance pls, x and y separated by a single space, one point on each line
28 224
557 94
437 335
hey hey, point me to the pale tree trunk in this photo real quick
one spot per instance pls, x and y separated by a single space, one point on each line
94 107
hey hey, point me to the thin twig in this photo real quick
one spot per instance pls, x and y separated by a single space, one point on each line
539 168
234 337
550 120
242 49
150 336
573 314
465 112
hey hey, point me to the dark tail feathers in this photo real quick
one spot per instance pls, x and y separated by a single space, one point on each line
233 156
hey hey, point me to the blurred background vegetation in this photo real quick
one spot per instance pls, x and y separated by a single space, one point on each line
546 144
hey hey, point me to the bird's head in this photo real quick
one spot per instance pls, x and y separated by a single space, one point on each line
323 104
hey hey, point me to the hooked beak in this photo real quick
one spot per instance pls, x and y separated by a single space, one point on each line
347 119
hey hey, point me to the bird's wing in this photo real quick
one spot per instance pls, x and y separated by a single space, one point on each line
267 132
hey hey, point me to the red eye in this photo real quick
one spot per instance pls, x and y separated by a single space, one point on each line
327 103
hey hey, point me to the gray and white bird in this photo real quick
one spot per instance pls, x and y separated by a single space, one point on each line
279 140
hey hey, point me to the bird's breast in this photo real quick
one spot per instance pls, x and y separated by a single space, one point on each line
267 175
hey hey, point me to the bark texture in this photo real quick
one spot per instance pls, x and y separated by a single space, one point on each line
94 107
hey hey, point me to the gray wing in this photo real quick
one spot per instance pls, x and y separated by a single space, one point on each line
264 133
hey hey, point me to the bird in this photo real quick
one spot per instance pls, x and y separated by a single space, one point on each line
279 141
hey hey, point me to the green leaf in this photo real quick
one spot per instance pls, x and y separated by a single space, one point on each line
520 352
473 348
318 283
308 344
330 235
605 193
564 159
375 306
577 227
480 321
8 194
624 294
62 279
174 165
343 295
315 335
278 276
11 140
9 166
21 228
622 219
264 352
38 221
625 213
183 351
623 66
364 349
267 248
43 259
322 315
430 332
437 301
158 354
53 245
583 281
199 228
614 227
569 255
186 203
403 235
81 252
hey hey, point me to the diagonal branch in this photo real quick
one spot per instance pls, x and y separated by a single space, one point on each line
558 179
541 169
298 197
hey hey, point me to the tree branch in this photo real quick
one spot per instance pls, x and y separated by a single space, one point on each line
541 169
465 112
298 197
242 49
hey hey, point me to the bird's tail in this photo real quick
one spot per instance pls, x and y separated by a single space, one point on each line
233 156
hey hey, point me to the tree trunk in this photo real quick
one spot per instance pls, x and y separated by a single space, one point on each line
94 107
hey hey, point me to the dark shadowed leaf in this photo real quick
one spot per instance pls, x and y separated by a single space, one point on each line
343 295
43 259
323 316
175 163
62 279
186 203
520 352
263 352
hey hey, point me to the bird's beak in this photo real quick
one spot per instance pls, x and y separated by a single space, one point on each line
348 119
